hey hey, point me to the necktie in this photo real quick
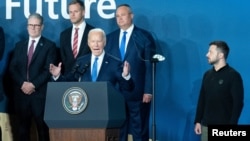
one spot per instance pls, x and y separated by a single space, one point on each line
30 53
75 42
94 70
123 44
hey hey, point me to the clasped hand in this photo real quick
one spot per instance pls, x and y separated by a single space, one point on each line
28 88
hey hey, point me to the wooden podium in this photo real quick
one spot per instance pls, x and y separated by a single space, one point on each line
98 117
84 134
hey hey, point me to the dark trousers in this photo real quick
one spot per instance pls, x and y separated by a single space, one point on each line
29 108
137 121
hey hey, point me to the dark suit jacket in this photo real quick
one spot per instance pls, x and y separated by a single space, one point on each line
140 49
39 75
66 52
2 47
2 42
110 71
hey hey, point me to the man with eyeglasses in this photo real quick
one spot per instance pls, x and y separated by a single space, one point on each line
29 71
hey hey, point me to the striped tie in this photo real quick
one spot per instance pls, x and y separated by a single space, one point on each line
75 43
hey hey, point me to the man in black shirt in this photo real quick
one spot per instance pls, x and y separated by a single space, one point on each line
221 95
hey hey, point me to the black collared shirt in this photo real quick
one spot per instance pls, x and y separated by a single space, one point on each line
221 97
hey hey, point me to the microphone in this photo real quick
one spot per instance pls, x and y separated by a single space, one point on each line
81 70
74 71
157 58
140 37
114 57
137 40
75 68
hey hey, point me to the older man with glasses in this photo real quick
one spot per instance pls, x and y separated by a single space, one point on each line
29 71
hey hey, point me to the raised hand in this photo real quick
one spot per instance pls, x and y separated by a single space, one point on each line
55 70
126 69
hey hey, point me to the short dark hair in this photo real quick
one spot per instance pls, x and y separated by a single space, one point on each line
81 3
222 46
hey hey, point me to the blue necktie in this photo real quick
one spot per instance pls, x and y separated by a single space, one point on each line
123 44
94 70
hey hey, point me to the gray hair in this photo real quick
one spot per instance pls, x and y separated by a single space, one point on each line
125 5
98 30
37 16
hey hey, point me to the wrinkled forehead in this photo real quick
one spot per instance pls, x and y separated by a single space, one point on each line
95 35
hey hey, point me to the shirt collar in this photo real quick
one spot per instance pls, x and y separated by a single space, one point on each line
80 26
36 39
129 30
100 57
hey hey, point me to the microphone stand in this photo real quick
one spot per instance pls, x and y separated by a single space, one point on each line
156 58
153 102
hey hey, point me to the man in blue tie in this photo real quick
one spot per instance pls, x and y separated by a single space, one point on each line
123 45
94 70
99 64
139 49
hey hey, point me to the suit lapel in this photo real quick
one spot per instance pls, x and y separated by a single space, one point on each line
83 41
131 44
68 43
24 51
87 75
104 66
133 48
116 42
38 48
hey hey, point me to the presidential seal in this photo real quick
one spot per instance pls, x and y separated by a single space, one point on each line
75 100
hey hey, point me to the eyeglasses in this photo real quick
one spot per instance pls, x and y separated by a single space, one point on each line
34 25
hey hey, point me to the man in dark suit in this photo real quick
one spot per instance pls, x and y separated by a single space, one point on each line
2 43
30 74
139 48
68 40
2 47
5 128
108 68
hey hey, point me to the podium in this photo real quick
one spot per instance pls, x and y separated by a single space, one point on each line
84 111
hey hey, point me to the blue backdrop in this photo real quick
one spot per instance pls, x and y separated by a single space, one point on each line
182 30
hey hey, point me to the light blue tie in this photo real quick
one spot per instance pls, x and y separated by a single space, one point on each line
123 45
94 70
